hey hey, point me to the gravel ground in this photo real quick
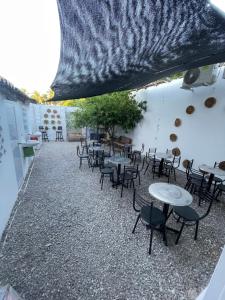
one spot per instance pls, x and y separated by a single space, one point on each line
70 240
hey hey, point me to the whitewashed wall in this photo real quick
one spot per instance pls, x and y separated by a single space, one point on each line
16 121
201 135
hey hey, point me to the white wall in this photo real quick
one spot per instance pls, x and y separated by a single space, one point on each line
8 181
17 120
201 135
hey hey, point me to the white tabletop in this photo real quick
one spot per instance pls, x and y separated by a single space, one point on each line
119 160
96 148
164 155
170 194
211 170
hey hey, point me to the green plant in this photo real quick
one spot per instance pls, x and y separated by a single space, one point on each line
118 109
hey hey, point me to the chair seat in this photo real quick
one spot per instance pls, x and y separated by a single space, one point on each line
186 212
221 187
83 156
128 176
107 171
157 216
195 176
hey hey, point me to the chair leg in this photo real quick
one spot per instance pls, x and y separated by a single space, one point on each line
121 194
139 178
196 230
102 181
174 174
80 163
150 244
164 236
179 234
146 169
135 225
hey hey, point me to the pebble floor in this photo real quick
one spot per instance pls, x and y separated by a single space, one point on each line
70 240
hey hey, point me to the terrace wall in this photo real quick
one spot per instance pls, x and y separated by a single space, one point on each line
17 119
201 135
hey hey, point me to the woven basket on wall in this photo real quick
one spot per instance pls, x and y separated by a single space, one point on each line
173 137
210 102
177 122
222 165
186 163
190 109
176 151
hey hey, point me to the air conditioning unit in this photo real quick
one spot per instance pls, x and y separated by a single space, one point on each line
200 76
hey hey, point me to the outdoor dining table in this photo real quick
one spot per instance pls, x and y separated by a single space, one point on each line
162 156
118 161
205 169
170 194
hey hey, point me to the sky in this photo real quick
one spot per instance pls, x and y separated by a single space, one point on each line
30 43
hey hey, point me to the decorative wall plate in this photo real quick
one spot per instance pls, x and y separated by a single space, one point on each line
52 122
53 127
173 137
176 151
45 121
53 116
222 165
58 116
59 122
54 111
190 109
177 122
185 163
210 102
46 127
49 110
45 115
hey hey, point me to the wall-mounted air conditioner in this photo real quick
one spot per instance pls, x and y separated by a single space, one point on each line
200 76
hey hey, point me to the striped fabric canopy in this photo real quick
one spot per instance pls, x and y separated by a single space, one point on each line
109 45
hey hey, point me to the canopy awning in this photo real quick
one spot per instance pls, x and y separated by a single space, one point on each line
118 45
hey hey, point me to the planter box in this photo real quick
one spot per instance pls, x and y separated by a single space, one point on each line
74 137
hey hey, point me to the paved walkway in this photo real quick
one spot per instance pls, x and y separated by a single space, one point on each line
70 240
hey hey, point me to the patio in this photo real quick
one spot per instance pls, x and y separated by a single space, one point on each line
70 240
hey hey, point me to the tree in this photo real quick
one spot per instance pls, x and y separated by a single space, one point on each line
118 109
38 97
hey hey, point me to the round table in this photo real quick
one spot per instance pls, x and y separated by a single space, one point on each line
163 155
170 194
96 148
118 160
213 172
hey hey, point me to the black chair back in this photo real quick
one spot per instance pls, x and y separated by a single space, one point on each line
206 196
139 201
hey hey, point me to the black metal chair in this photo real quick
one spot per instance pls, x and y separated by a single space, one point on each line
128 176
189 216
216 180
136 154
195 179
84 145
44 134
152 217
59 134
170 167
156 167
106 170
219 190
149 158
82 156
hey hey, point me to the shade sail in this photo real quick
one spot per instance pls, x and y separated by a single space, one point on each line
109 45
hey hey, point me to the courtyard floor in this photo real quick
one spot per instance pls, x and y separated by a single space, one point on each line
67 239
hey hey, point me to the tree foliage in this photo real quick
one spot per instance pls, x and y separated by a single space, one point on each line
38 97
109 111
